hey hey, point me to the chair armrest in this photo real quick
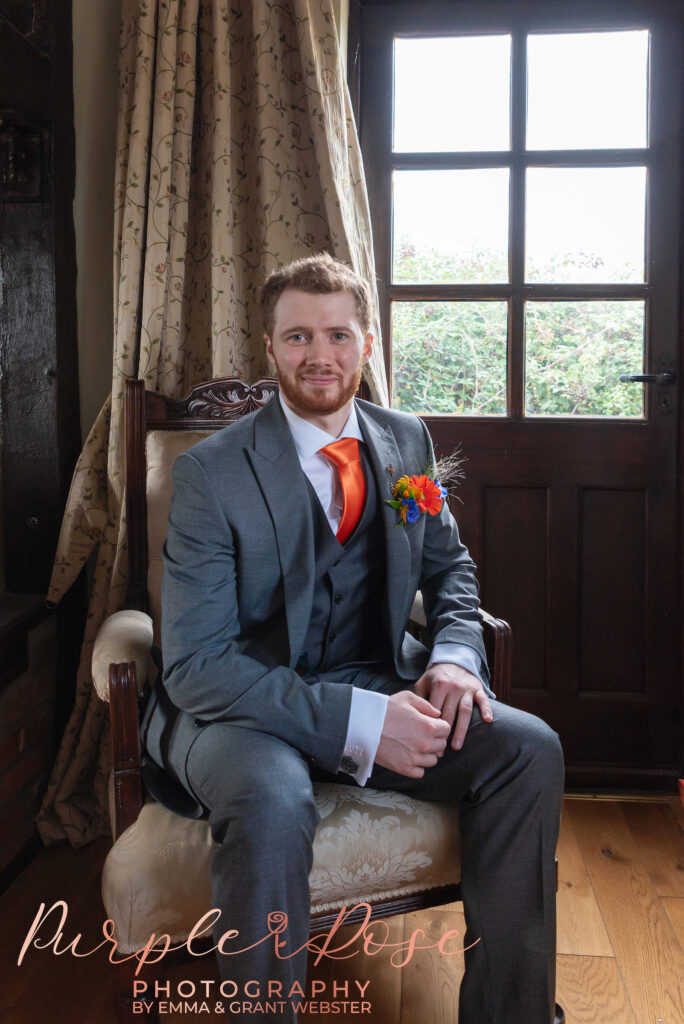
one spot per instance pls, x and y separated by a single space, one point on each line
126 753
498 640
125 636
120 658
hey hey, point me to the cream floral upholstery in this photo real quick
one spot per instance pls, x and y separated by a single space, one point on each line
370 845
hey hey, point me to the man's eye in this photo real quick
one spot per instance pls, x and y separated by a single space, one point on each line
297 339
339 336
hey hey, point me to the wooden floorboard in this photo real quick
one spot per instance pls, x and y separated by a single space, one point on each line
427 971
675 805
59 874
674 908
591 990
581 929
659 840
648 953
620 934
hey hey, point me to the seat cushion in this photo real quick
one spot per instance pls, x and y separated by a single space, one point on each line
370 845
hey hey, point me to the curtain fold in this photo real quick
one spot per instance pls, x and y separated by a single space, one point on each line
236 152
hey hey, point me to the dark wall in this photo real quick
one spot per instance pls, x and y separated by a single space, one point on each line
33 20
38 345
39 413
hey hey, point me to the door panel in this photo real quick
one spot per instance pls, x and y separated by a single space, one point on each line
515 574
611 591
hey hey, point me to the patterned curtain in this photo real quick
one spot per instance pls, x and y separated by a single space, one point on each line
236 152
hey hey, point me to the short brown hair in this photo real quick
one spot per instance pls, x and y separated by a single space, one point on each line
319 275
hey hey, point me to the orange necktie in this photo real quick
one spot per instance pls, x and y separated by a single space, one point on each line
345 455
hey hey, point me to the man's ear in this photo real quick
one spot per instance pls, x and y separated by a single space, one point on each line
269 348
367 348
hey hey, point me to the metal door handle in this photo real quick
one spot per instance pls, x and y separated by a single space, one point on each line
660 379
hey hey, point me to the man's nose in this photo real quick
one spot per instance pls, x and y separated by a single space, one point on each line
320 350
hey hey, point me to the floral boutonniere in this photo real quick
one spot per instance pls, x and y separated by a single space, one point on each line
413 496
416 495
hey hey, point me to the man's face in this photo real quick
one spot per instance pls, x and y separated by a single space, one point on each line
318 347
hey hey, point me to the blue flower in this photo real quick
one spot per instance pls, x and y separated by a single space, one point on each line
412 510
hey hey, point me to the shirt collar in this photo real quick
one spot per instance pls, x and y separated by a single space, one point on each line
309 438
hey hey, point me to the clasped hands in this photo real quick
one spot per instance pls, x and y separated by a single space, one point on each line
418 722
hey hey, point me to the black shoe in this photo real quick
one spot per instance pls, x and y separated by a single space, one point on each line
559 1017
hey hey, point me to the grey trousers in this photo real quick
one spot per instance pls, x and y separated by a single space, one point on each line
508 781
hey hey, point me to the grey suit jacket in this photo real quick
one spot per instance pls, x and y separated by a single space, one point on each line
240 548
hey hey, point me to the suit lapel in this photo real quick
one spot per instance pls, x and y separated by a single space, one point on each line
277 468
387 467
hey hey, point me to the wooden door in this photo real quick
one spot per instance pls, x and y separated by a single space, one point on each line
552 184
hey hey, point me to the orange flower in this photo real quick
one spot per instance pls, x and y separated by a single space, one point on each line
427 493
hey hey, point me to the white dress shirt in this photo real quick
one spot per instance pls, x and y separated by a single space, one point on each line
367 713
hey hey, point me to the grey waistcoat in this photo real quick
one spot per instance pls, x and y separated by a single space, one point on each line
347 623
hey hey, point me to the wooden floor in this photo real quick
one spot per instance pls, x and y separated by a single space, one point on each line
620 934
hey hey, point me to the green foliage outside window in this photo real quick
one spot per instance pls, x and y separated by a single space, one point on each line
450 357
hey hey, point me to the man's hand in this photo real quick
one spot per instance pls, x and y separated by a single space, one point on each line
413 735
451 689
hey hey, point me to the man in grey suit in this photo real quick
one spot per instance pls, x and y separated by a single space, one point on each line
285 601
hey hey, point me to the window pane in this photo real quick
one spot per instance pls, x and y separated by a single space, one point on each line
449 357
575 353
587 90
452 94
585 224
450 226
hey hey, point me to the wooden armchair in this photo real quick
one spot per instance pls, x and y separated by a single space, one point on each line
156 877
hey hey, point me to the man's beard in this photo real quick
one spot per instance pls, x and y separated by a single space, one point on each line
321 403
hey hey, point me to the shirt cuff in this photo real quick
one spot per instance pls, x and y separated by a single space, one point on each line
366 719
460 654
